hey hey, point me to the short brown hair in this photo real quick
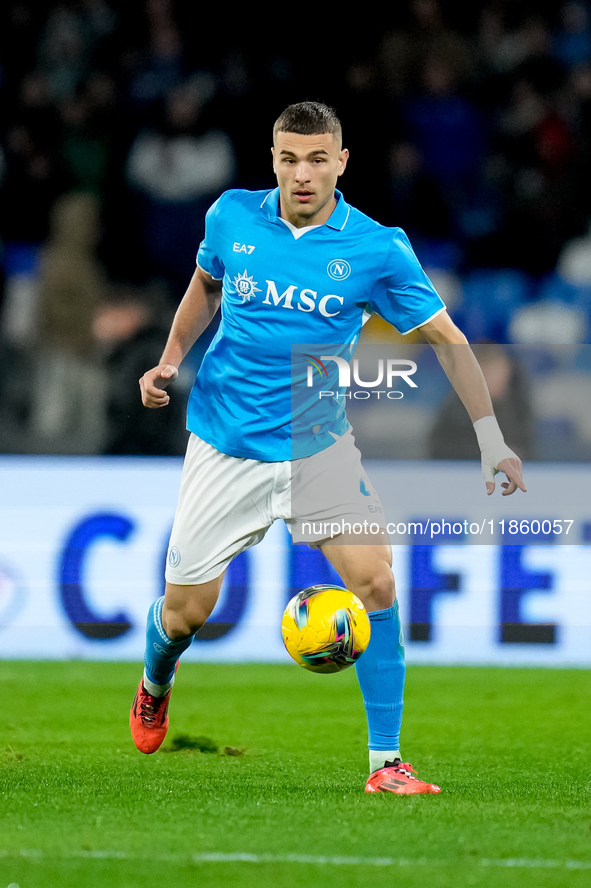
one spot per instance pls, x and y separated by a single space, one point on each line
308 119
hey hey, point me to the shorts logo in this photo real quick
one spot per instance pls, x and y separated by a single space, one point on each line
339 269
245 286
174 557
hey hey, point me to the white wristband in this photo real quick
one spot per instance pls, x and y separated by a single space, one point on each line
492 445
488 433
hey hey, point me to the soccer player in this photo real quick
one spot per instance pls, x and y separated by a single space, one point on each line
293 265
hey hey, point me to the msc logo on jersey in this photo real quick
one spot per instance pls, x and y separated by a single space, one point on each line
303 300
292 297
245 286
339 269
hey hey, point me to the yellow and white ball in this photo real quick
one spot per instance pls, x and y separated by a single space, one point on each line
325 628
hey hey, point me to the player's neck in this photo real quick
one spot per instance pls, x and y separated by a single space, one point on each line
309 220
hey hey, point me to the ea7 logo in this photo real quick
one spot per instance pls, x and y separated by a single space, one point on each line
243 248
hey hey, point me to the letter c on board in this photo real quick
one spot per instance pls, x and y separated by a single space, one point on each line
71 575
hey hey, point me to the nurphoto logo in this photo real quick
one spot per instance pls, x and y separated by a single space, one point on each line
388 373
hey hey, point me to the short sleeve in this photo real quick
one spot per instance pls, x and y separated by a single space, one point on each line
403 294
208 255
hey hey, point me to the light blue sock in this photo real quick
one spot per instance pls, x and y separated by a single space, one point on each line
381 671
162 652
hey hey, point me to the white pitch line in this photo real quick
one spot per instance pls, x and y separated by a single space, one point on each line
309 859
320 860
316 859
539 863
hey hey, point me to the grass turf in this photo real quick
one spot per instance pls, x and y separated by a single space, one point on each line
81 808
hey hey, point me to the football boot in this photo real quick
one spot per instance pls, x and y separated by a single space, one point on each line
148 720
398 777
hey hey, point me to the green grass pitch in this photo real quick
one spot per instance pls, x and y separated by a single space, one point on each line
81 808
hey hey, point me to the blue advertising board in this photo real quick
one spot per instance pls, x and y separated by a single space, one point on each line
83 543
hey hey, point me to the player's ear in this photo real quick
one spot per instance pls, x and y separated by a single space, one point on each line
343 158
273 155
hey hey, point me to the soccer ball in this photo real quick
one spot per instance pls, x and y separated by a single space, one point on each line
325 628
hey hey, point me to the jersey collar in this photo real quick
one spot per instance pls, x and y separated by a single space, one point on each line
337 220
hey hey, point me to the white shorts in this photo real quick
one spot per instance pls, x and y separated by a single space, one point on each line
227 504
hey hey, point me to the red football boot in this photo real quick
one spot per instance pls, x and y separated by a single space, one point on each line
398 777
148 720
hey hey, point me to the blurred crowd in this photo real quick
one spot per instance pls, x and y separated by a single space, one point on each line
469 127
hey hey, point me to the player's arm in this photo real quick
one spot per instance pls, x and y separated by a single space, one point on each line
463 371
195 312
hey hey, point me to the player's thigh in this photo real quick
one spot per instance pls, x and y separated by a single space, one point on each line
365 569
332 496
221 511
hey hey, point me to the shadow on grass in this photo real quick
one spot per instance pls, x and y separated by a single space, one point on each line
186 743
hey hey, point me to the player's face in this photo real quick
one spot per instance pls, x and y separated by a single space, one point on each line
307 169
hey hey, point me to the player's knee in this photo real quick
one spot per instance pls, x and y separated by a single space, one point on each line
377 591
383 588
187 608
180 622
178 626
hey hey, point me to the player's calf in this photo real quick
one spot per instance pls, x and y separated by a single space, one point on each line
148 719
162 651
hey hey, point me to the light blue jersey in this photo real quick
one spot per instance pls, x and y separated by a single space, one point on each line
280 288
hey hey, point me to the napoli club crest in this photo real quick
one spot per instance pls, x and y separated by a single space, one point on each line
339 269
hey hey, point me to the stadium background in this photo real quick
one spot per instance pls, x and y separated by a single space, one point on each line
119 127
469 126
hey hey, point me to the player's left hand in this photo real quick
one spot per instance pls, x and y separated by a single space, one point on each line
512 467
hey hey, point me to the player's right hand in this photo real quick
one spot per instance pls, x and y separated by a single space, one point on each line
153 385
512 467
